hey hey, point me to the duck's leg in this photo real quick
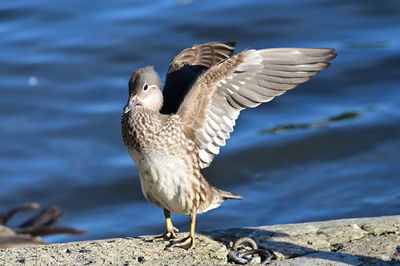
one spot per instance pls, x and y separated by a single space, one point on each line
188 242
171 230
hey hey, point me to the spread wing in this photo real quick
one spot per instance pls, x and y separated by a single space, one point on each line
187 66
246 80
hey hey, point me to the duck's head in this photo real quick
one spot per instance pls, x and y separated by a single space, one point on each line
144 90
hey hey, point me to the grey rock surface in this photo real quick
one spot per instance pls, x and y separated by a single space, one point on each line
364 241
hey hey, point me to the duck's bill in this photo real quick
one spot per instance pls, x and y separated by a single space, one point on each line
131 104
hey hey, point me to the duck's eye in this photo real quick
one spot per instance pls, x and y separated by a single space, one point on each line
145 87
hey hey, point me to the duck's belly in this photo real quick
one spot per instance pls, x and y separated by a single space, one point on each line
166 181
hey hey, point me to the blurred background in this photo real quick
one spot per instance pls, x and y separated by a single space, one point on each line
328 149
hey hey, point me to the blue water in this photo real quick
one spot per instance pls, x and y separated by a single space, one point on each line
64 67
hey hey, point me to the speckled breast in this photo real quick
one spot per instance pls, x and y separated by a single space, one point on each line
148 132
164 157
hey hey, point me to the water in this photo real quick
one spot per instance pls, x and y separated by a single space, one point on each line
64 69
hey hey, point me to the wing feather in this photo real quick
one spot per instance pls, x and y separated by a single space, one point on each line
185 68
245 80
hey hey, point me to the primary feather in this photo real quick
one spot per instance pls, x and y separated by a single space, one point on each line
245 80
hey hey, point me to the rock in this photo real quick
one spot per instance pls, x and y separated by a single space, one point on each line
364 241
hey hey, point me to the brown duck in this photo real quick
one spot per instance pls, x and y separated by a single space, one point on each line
172 134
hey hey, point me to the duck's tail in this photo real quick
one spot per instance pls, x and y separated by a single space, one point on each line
228 195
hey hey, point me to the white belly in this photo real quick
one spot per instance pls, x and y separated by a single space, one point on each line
164 181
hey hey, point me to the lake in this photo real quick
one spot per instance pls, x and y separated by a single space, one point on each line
329 149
